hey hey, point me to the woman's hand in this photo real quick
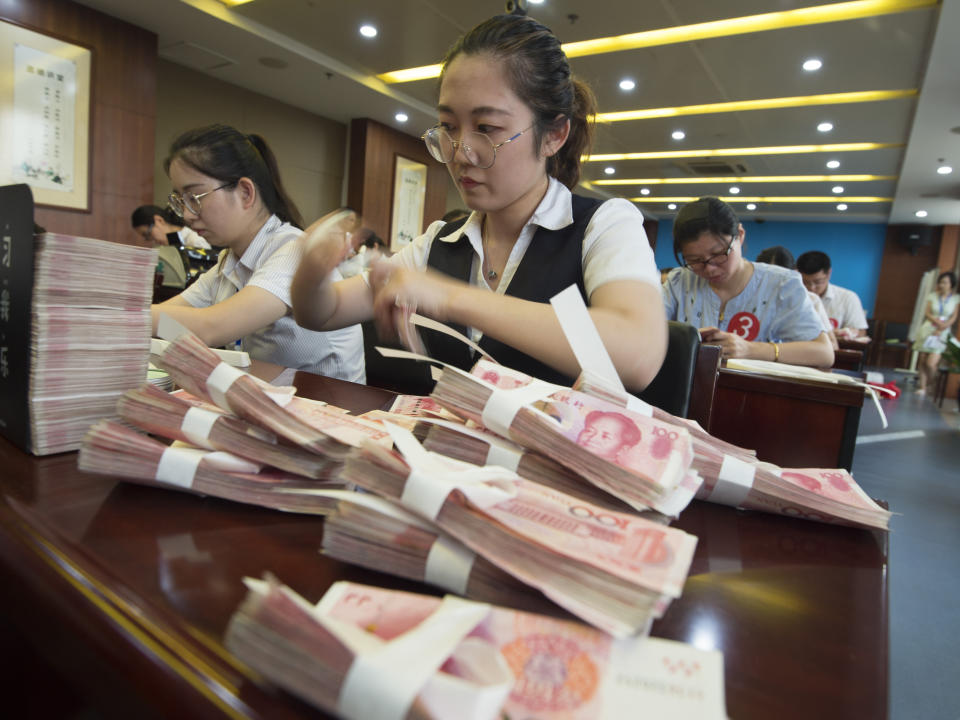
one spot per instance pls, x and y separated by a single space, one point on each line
731 344
426 292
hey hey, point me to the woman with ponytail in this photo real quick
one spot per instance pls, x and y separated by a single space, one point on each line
512 127
227 188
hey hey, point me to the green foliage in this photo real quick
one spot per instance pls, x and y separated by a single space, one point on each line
951 356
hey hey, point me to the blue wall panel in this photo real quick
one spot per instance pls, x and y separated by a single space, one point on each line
855 249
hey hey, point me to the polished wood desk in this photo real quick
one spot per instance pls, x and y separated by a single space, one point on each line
127 590
792 423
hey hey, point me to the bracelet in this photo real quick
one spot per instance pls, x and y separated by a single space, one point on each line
776 351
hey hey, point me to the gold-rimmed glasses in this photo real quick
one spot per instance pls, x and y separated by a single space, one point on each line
190 201
478 149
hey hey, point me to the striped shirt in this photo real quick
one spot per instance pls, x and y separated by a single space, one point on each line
269 263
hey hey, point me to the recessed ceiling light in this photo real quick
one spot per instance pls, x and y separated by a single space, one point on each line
833 164
536 2
734 190
921 213
609 170
837 189
841 207
812 64
751 206
944 170
644 191
401 117
678 135
627 84
825 127
368 31
672 206
798 17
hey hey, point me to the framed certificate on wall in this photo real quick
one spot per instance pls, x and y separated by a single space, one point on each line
45 116
409 195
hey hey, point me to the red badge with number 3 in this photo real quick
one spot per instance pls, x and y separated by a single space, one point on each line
745 325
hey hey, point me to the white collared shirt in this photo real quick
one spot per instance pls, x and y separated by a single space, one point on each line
269 262
615 246
844 308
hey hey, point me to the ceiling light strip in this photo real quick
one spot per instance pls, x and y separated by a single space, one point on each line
727 152
799 17
750 179
769 199
763 104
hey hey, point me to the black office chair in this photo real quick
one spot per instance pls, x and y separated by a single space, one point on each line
408 377
670 389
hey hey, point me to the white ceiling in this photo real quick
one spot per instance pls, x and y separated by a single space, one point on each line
329 70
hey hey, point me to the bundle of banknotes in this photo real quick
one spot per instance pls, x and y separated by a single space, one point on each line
110 448
617 571
610 427
364 652
642 461
88 339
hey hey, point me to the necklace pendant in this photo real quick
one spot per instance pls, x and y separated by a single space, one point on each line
491 274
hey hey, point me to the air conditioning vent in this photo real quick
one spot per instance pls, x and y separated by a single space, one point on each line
715 167
195 56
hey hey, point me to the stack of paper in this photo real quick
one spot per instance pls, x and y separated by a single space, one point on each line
617 571
365 652
90 334
180 416
642 461
113 449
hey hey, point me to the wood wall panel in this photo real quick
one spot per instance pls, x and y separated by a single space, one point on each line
122 113
373 151
900 275
949 242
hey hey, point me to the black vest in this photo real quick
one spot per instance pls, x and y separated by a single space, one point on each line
552 263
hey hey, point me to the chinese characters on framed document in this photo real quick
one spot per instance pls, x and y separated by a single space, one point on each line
45 116
409 196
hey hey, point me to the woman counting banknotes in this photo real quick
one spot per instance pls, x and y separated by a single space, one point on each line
754 311
227 187
511 127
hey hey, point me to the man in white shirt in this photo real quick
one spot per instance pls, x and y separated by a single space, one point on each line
843 306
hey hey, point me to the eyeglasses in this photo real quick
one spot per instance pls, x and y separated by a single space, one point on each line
715 259
190 201
477 148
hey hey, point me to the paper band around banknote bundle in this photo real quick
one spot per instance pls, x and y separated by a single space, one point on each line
502 452
585 341
448 565
503 405
733 483
197 424
178 466
431 481
219 382
382 683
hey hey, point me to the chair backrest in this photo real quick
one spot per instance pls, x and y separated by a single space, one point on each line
407 377
670 389
174 271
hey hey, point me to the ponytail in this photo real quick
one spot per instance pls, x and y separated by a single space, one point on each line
284 208
565 165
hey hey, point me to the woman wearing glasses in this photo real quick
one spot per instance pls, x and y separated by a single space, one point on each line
755 311
227 188
512 127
